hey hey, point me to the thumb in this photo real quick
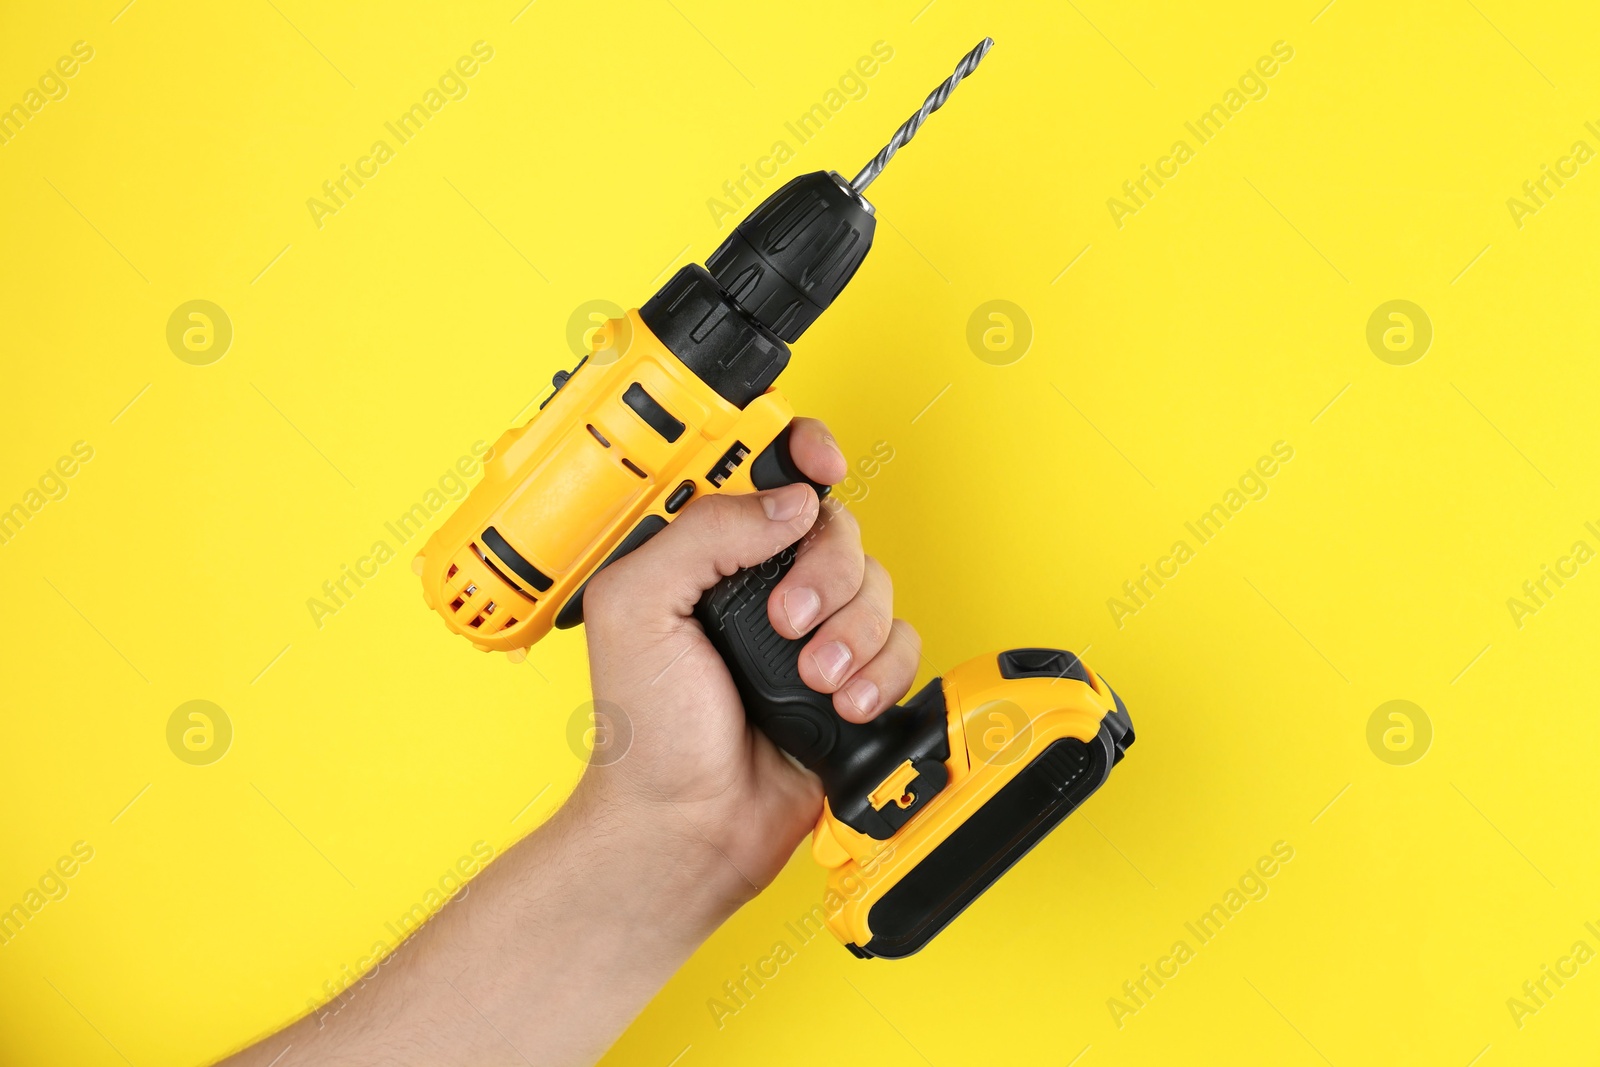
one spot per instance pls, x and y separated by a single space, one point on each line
714 537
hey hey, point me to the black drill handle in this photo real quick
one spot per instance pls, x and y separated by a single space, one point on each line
766 665
852 759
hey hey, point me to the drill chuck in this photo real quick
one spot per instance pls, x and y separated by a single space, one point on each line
800 247
789 259
731 351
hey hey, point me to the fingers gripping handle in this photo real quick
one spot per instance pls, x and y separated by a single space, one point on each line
852 759
766 665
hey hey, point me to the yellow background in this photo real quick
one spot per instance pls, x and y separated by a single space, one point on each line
371 753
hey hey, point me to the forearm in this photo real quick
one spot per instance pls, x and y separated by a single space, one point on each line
554 950
565 938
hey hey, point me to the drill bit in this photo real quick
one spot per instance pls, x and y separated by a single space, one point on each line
908 129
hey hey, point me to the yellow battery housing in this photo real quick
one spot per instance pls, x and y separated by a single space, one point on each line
1004 733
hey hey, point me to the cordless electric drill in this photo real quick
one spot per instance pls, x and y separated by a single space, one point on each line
934 799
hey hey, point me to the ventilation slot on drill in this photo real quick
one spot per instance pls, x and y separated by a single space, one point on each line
488 609
723 467
483 598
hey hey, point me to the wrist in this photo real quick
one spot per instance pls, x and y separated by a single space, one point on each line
667 865
586 918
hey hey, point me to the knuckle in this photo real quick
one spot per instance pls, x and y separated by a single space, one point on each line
712 516
873 627
600 582
823 576
877 572
603 590
909 637
846 521
844 574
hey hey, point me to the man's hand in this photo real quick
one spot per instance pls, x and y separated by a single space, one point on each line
552 951
694 767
